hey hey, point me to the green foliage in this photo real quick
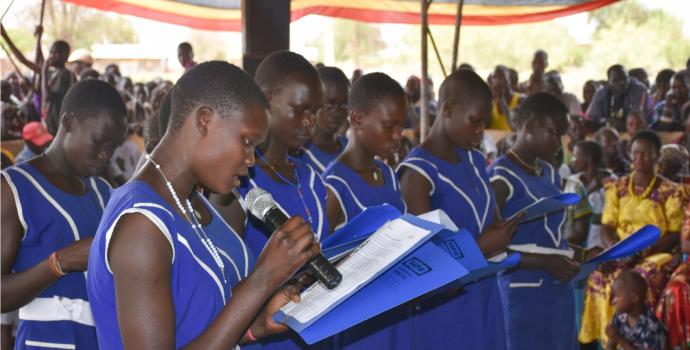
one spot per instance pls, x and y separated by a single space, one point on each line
630 34
80 26
626 32
208 46
23 38
357 42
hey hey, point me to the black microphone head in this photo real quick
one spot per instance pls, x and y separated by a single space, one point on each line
259 202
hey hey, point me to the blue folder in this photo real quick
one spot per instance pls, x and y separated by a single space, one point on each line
492 268
357 230
546 205
636 242
421 272
447 260
426 268
362 225
464 249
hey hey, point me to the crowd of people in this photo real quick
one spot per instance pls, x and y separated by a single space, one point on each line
124 223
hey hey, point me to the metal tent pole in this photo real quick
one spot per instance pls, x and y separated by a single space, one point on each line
456 38
424 96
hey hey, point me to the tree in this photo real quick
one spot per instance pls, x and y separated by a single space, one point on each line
635 36
78 25
357 42
82 27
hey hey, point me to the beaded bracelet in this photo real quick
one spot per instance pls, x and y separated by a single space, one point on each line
54 265
250 337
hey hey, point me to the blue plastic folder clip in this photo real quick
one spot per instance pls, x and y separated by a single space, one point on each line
361 226
334 253
636 242
547 205
423 270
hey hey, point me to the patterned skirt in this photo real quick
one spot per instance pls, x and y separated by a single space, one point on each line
674 308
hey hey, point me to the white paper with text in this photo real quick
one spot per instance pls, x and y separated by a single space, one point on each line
383 249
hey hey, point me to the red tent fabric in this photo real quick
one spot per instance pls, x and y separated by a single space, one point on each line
226 15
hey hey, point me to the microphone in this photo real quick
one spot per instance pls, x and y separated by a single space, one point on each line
262 205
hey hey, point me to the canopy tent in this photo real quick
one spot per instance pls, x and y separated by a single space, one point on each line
225 15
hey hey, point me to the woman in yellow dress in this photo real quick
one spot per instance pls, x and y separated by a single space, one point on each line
631 202
505 100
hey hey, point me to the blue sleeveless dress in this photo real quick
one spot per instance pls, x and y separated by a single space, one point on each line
389 330
472 319
198 289
237 257
319 159
60 316
289 200
539 310
354 194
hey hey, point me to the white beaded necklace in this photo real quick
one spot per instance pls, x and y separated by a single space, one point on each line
196 226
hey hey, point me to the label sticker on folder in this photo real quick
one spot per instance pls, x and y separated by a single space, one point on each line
417 266
424 270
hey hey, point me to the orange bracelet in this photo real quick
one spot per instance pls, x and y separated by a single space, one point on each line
250 336
54 265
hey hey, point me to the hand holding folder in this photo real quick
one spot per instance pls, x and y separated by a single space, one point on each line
438 259
636 242
546 205
391 267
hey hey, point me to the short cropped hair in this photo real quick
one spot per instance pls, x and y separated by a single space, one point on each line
62 47
333 75
216 84
185 46
463 86
280 67
89 73
684 77
649 136
87 98
617 68
593 150
371 88
542 106
634 282
664 76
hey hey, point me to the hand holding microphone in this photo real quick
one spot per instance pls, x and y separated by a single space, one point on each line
291 234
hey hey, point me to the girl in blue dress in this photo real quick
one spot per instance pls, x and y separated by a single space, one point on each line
294 92
356 180
447 172
51 207
225 227
224 230
326 144
155 277
538 297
